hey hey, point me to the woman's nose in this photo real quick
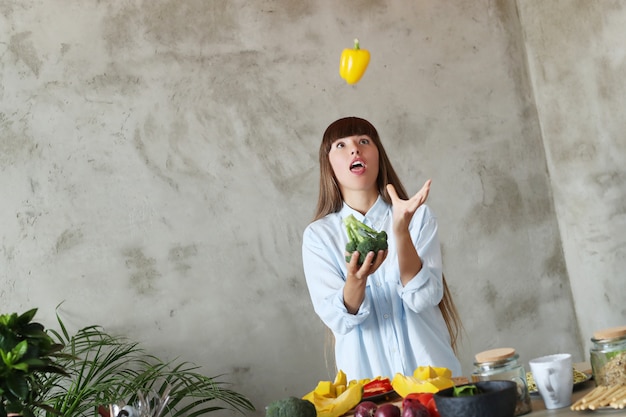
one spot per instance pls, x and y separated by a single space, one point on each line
355 150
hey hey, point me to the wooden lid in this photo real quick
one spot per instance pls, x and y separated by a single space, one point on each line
495 355
610 333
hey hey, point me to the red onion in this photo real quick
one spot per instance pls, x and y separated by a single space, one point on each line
388 410
365 409
414 409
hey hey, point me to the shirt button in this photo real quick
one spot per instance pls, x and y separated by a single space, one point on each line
386 316
378 284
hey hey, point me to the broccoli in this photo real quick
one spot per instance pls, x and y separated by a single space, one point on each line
363 238
291 407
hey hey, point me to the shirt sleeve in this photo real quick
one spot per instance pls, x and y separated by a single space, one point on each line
326 279
425 290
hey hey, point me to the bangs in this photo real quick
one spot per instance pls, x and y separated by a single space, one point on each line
349 126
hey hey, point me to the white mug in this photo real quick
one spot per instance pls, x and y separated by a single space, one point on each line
554 377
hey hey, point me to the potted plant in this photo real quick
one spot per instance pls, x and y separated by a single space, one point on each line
106 369
28 355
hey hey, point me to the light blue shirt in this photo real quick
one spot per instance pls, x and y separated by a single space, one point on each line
396 328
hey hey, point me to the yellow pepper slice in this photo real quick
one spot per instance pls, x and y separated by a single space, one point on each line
340 378
353 63
404 385
426 372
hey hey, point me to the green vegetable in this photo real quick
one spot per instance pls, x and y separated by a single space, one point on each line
465 391
363 238
291 407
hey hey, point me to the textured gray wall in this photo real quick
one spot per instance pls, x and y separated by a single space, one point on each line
577 59
158 163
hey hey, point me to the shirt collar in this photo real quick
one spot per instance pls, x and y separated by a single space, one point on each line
375 215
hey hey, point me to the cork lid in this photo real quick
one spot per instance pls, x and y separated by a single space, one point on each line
610 333
495 355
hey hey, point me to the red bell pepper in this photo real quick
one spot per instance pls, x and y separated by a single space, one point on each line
422 397
426 399
377 386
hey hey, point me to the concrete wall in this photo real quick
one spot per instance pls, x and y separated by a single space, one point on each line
577 62
158 163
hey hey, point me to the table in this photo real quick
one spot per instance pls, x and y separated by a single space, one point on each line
539 409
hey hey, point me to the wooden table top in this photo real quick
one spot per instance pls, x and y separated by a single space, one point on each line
539 409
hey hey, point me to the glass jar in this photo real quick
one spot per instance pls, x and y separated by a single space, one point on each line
503 364
608 356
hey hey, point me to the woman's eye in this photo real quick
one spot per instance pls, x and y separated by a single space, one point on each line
364 141
340 145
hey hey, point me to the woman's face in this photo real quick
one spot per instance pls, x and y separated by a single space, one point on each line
354 160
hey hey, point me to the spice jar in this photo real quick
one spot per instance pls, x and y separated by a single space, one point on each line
503 364
608 356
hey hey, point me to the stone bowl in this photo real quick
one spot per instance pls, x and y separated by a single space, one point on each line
494 399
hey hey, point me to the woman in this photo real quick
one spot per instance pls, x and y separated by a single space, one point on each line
393 313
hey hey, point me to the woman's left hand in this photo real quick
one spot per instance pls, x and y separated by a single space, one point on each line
368 267
403 210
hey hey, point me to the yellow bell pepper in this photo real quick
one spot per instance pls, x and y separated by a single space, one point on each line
353 63
427 372
336 407
340 378
424 379
334 399
405 385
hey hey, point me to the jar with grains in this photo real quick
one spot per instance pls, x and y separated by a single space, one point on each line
503 364
608 356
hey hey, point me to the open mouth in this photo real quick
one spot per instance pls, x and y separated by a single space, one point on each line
357 165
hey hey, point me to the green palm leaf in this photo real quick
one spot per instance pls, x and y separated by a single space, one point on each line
109 369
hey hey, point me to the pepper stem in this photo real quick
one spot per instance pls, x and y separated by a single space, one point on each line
356 44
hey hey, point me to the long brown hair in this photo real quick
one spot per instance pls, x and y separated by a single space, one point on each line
330 199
